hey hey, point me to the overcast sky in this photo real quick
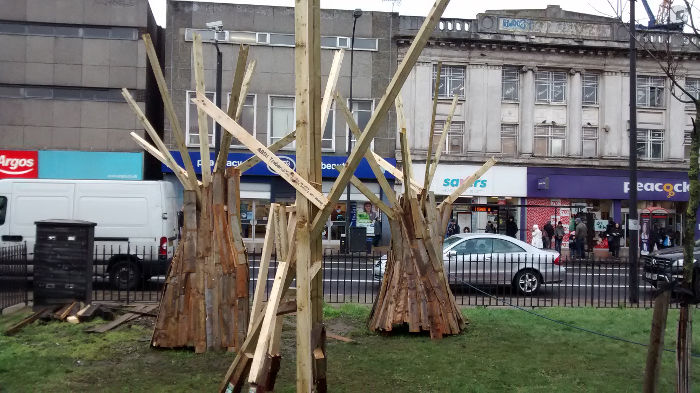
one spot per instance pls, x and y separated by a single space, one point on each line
466 9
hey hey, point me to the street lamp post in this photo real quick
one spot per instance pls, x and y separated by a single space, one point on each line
633 224
355 15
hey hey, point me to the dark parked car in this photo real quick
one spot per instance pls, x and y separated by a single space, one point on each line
667 264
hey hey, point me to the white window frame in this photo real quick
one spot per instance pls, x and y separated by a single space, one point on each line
686 143
453 131
646 83
449 79
592 137
189 94
692 87
550 135
649 140
293 145
507 70
547 78
512 134
331 119
255 116
592 82
347 128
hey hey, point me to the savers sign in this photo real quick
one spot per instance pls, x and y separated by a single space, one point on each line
19 164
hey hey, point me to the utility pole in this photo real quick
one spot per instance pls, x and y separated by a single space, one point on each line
356 14
633 223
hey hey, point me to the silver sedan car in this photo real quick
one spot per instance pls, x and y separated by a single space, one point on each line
488 258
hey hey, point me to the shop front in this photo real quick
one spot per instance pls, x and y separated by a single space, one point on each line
495 197
261 186
600 195
69 164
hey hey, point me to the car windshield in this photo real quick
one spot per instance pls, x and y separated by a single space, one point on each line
450 241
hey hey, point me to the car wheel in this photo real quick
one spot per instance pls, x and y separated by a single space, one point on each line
124 275
527 282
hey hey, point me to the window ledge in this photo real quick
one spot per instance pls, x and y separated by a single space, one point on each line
550 103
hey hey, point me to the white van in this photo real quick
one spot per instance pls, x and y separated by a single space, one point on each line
137 221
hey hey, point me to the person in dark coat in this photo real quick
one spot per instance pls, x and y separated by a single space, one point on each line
548 234
511 227
558 236
614 237
377 232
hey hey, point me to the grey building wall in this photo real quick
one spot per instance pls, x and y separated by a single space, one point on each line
62 64
274 73
550 39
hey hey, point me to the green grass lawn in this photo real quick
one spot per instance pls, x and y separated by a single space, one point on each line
501 350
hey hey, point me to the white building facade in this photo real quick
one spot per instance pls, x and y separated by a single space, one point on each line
547 93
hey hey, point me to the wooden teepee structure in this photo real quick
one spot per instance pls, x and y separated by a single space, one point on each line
258 357
205 297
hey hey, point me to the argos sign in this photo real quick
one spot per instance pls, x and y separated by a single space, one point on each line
19 164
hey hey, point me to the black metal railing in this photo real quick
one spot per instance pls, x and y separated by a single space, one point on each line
14 288
136 274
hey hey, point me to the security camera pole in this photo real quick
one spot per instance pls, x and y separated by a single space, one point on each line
217 27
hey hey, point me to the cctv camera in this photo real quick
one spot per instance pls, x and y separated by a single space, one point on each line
218 25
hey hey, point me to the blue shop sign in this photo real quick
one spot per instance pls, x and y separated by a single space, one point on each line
328 164
90 165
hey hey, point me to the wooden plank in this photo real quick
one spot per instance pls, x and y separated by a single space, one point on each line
233 104
288 307
12 330
201 115
268 245
376 121
63 313
120 320
170 109
369 155
233 374
330 86
411 199
268 324
339 338
429 155
386 165
443 137
467 183
279 166
169 160
275 147
158 155
370 195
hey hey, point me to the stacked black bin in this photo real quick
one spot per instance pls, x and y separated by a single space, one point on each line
63 257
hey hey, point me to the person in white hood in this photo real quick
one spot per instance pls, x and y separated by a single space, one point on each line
536 236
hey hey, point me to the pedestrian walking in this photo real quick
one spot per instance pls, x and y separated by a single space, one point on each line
558 236
451 228
581 234
377 232
614 240
511 227
536 236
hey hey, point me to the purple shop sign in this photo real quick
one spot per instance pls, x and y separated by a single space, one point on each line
586 183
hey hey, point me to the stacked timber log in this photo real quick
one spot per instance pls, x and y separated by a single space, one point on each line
205 298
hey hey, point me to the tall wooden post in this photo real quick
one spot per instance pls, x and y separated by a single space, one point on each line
307 55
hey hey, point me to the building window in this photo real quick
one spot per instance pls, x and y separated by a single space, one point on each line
69 30
509 139
328 139
451 81
550 141
650 144
590 89
686 143
454 142
247 116
191 122
278 39
550 86
650 91
589 142
361 112
510 84
282 119
692 85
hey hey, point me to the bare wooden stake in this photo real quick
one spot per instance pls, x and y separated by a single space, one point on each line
201 115
429 156
443 138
